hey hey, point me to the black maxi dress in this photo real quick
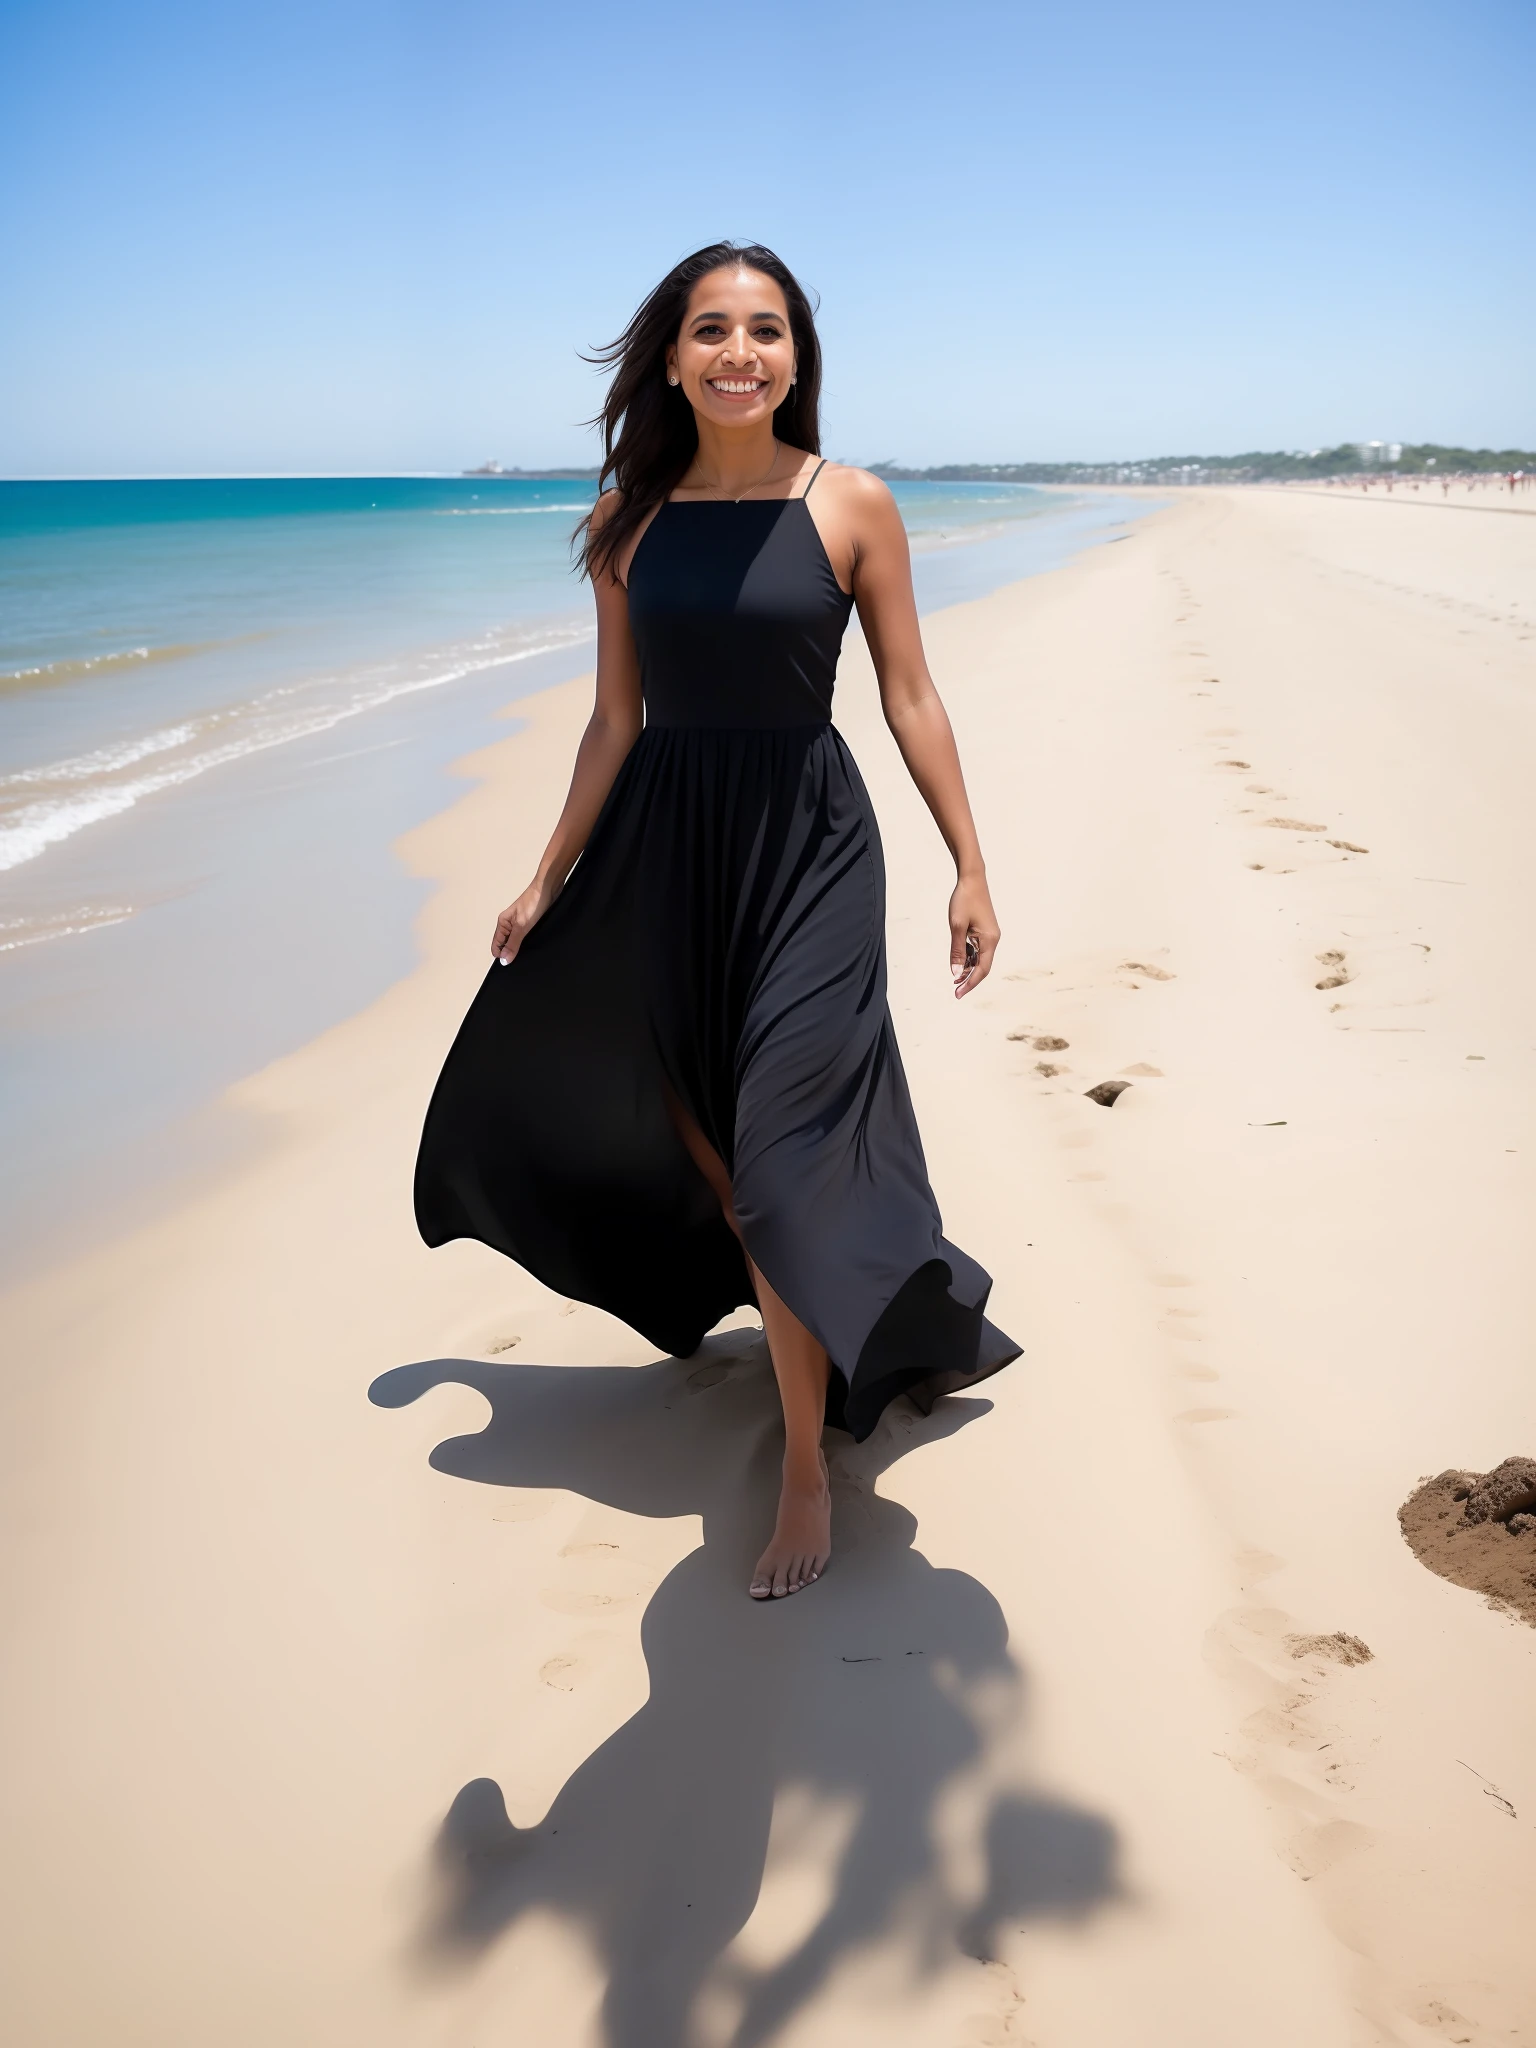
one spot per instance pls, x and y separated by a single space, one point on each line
723 938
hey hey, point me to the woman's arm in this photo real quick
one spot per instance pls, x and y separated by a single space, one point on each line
882 588
613 728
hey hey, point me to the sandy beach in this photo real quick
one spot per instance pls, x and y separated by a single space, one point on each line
381 1670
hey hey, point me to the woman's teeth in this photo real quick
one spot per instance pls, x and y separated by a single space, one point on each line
737 387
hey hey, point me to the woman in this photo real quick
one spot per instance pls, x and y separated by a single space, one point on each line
685 1095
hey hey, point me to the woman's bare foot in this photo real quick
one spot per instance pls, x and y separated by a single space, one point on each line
802 1538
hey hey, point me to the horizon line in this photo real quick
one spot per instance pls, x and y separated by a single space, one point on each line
584 471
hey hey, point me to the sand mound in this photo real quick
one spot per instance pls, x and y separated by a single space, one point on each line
1477 1529
1508 1490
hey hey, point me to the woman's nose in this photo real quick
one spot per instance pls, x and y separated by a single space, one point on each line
739 347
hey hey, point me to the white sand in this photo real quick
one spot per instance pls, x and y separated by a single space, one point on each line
1034 1763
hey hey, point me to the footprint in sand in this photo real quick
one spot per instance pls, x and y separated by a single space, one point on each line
600 1579
501 1344
1293 825
1107 1093
1436 2013
1235 764
708 1376
561 1672
1337 974
561 1602
1315 1850
1338 1648
1348 846
525 1506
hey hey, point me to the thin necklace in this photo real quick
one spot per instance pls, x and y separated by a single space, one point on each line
756 482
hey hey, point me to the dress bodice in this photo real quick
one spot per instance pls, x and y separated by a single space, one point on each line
737 616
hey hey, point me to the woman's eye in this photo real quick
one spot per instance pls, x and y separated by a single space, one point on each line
768 333
707 333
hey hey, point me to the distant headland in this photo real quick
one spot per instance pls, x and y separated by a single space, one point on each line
571 470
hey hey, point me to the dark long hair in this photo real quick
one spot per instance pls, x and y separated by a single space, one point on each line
649 434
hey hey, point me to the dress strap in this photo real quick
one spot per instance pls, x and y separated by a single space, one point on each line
816 472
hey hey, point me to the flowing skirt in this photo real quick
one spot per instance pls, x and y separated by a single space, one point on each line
722 938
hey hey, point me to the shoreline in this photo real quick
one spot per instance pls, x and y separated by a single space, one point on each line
1275 1283
289 852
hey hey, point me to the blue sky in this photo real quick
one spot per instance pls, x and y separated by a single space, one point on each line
337 236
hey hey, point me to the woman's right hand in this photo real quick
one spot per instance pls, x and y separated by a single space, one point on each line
519 919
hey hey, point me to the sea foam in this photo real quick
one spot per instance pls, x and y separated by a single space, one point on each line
42 807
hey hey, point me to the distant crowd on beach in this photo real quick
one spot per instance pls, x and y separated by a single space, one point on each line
1466 481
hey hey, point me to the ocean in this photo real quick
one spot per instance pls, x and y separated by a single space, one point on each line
220 703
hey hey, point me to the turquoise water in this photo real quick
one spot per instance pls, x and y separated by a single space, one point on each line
220 702
155 632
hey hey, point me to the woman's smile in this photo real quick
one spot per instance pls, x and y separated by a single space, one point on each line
734 350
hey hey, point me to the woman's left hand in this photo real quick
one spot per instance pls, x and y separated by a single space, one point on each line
973 933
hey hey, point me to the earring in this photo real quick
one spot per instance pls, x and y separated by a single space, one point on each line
670 378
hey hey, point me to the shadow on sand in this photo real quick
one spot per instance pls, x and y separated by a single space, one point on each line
875 1695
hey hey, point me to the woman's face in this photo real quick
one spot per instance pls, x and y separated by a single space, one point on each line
734 356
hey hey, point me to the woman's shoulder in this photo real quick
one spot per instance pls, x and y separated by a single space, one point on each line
856 488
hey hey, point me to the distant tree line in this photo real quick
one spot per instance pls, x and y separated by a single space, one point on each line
1350 458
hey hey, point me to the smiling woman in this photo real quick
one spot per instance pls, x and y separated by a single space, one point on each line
686 1094
651 423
